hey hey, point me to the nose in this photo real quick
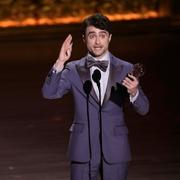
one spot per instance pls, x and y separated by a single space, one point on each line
97 40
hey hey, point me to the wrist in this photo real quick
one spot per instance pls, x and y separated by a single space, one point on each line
59 65
132 94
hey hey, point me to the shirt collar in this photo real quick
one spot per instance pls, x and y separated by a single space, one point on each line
106 56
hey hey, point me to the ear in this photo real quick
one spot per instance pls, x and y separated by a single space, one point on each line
83 38
110 36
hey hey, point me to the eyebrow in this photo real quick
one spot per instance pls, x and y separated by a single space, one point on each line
93 32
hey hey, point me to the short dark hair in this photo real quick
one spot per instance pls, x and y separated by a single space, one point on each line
97 20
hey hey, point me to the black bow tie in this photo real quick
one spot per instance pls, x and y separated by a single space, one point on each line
90 61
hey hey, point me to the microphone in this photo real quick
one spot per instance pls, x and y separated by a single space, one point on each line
87 86
96 76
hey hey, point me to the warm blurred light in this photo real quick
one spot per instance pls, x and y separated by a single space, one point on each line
67 20
131 16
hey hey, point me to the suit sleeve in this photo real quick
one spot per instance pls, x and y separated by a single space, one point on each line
141 104
56 84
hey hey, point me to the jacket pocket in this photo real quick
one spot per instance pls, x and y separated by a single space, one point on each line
120 130
77 128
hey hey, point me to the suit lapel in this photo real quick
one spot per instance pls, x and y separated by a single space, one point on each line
114 76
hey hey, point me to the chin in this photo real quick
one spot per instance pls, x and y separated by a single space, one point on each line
98 54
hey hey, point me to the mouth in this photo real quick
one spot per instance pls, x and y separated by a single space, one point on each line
97 47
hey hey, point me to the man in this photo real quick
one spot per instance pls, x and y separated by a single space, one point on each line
99 136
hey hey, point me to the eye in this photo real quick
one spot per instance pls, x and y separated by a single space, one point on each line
91 36
102 35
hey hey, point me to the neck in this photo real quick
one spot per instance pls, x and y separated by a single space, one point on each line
100 57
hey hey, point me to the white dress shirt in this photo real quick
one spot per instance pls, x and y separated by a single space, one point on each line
104 76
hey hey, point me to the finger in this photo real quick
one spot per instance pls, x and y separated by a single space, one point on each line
129 81
70 47
132 81
126 84
68 39
69 50
130 76
68 42
129 84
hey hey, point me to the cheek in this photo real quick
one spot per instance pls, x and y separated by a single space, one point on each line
106 43
89 43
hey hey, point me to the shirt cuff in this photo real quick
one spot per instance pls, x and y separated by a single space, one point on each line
133 98
55 70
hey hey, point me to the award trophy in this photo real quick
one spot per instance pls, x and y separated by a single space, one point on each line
138 70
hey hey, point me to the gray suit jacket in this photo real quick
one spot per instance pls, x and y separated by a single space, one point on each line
114 131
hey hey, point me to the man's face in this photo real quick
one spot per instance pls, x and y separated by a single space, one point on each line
97 41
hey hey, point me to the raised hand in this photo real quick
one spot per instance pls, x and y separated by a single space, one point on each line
65 52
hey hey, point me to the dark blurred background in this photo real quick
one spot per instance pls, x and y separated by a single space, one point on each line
34 131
